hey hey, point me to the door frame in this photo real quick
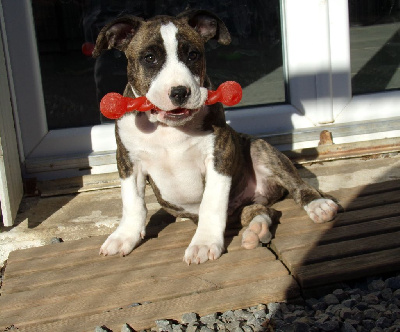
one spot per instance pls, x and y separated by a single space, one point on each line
316 52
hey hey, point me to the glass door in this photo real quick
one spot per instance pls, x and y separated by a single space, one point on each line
300 64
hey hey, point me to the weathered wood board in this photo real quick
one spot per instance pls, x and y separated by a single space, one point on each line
69 287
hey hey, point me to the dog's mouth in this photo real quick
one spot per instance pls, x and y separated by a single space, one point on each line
174 114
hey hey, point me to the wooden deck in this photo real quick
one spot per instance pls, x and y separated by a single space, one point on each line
69 287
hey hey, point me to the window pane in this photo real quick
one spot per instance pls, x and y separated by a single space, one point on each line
74 83
375 45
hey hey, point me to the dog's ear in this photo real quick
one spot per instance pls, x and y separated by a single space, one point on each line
117 34
208 25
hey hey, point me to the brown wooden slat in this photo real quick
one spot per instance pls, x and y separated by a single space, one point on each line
155 289
295 258
133 277
160 220
99 266
351 198
323 236
141 317
348 205
104 266
303 224
179 240
348 268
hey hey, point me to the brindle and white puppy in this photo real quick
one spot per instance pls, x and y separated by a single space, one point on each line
197 165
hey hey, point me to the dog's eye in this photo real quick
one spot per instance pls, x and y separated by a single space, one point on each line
150 58
193 56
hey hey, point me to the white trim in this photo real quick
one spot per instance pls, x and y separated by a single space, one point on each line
21 50
11 188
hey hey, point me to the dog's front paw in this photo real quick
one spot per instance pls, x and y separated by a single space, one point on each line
200 253
321 210
119 242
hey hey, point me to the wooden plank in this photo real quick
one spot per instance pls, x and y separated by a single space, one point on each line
79 305
104 266
295 258
37 294
324 236
141 317
350 204
303 224
348 268
349 195
153 290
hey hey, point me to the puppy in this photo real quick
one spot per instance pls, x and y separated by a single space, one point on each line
197 165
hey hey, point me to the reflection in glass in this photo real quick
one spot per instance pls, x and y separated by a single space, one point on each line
74 83
375 45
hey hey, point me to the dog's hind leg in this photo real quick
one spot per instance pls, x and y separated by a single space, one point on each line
259 219
271 166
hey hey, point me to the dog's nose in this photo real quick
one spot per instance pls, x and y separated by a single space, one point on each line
179 95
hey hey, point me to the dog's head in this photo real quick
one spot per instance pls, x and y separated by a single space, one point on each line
166 61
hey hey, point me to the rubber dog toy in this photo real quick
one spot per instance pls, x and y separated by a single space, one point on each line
113 105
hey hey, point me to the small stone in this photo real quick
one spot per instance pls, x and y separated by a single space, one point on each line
228 316
329 326
206 329
56 240
126 328
253 321
177 328
233 325
99 329
189 317
371 314
386 294
192 328
356 297
370 299
383 322
236 329
261 307
378 307
209 319
322 318
273 308
351 322
340 294
376 285
301 327
361 306
345 313
163 323
289 318
320 306
393 283
349 303
368 324
311 302
330 299
376 329
247 328
346 327
260 314
133 305
332 310
306 320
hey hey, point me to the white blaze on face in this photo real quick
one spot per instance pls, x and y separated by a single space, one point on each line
174 73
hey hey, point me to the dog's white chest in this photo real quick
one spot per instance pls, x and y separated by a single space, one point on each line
174 159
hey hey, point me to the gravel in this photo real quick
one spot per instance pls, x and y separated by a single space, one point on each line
370 305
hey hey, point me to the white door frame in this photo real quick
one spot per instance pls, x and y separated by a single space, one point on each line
317 72
11 187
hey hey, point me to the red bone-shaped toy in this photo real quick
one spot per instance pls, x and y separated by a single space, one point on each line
113 105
